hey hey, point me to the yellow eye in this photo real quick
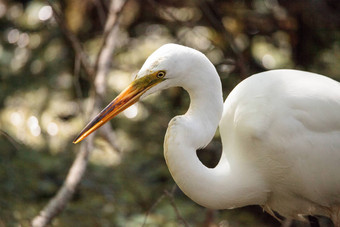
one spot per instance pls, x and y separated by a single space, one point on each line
160 74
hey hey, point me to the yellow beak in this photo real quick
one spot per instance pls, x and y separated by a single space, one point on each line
125 99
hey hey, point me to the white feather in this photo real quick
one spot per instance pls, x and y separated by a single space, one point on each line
280 132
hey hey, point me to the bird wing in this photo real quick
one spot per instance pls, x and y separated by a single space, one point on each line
286 124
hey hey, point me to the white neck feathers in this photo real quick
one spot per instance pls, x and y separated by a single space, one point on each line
217 188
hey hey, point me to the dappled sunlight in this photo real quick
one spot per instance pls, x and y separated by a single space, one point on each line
104 155
33 119
329 61
33 125
53 51
198 37
118 80
272 56
144 46
34 14
183 14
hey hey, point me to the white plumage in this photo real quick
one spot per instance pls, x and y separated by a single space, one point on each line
280 131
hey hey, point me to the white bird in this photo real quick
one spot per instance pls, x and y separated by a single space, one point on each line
280 132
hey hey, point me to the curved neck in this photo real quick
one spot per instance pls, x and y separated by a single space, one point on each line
218 188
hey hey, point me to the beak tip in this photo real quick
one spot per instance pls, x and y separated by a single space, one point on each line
77 140
125 99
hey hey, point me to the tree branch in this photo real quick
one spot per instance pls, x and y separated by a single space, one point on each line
77 170
65 193
172 202
170 195
103 62
107 48
10 139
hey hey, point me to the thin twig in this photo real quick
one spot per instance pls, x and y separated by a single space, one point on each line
152 207
10 139
189 24
76 83
76 45
156 4
109 135
172 202
215 19
170 195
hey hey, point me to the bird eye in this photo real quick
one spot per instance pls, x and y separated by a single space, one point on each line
160 74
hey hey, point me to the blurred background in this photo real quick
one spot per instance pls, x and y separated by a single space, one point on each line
47 95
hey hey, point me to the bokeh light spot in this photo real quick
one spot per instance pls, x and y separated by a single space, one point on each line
45 13
16 119
15 11
32 121
13 36
23 40
52 128
268 61
36 130
132 111
33 125
3 9
36 66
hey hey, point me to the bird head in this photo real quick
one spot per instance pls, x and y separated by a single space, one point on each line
164 68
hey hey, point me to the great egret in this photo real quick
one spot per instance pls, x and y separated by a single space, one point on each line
280 131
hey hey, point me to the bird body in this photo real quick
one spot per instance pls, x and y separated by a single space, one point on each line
286 126
280 132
